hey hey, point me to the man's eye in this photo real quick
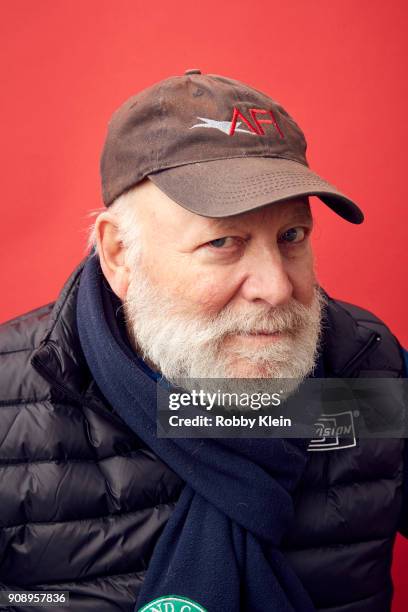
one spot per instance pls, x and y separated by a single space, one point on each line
221 242
294 234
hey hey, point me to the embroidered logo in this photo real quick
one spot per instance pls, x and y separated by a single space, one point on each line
172 603
334 431
238 118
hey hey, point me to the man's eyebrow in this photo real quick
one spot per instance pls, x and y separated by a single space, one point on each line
301 215
223 223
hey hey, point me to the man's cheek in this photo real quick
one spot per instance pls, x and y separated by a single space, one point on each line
209 295
303 279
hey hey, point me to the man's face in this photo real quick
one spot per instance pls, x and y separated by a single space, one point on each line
231 297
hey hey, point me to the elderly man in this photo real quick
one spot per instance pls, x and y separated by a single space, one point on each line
201 267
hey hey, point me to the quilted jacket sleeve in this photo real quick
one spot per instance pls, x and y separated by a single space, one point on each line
403 526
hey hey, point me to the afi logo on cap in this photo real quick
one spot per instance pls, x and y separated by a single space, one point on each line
230 127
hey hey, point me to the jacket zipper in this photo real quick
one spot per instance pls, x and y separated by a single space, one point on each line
374 340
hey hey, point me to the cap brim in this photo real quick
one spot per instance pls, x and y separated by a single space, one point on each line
226 187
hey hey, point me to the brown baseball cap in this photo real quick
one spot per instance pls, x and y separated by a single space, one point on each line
214 145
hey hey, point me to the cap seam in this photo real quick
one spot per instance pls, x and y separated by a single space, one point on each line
161 115
195 161
244 192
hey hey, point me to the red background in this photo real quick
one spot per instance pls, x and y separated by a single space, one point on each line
338 67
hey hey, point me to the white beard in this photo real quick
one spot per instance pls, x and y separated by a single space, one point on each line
186 347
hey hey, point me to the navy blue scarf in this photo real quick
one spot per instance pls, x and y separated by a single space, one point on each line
220 546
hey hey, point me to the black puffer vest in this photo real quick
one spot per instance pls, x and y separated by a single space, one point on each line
83 501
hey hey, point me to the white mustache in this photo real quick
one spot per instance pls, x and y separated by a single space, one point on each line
289 319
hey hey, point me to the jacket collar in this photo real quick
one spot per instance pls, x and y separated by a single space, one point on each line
60 359
346 341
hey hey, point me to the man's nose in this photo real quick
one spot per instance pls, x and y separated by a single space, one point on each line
267 279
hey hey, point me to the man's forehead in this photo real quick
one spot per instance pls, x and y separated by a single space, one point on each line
202 228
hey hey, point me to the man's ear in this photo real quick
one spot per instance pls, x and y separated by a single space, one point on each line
112 254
